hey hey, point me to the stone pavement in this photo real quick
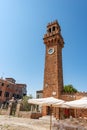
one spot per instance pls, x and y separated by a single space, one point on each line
16 123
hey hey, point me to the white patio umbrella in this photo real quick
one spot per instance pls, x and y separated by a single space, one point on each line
80 103
49 101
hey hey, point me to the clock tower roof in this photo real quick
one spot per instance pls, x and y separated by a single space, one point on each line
53 34
54 23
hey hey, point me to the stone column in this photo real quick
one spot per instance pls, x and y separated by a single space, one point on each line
10 106
9 109
18 107
31 108
40 109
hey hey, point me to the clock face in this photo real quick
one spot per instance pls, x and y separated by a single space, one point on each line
51 51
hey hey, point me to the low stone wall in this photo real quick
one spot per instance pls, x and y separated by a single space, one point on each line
3 111
24 114
32 115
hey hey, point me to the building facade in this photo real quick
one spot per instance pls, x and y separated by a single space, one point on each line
9 88
39 94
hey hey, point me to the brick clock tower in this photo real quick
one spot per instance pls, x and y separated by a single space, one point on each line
53 74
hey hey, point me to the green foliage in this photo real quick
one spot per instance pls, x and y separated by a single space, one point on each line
69 89
25 105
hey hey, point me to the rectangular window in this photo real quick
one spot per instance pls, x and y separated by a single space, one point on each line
38 96
0 93
53 28
6 94
14 95
2 84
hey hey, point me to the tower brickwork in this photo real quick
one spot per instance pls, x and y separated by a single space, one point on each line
53 73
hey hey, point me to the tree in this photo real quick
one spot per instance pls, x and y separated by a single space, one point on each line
69 89
25 105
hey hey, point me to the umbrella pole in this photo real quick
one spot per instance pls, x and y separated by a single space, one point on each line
75 112
50 117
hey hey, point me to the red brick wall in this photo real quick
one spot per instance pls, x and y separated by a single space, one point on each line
71 97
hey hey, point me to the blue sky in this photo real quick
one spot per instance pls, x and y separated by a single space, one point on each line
22 52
